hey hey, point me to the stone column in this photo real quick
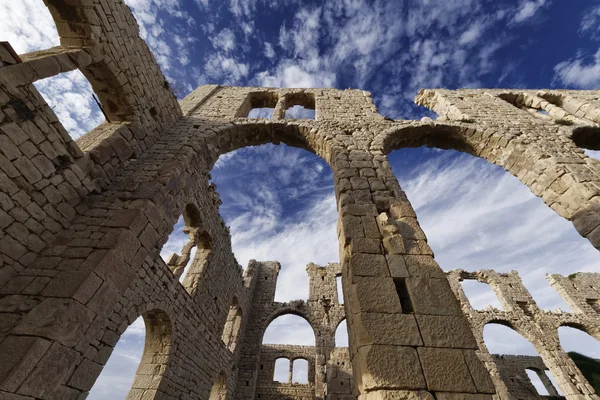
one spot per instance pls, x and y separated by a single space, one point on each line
547 383
408 336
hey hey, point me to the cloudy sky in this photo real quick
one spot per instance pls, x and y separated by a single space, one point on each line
279 201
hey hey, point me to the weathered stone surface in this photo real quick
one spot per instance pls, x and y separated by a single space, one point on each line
83 222
446 370
390 367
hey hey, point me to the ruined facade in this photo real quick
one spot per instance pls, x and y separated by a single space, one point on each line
540 327
82 224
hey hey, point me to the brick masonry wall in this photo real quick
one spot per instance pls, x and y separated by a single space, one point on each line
82 224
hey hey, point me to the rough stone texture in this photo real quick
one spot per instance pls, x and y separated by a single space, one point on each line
538 326
82 224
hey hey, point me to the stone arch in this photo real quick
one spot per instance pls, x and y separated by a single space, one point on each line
150 375
442 136
227 138
505 151
76 30
284 312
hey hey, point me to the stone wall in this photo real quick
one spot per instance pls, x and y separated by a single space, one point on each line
512 372
538 326
82 224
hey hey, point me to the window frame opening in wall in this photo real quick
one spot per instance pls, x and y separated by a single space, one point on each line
339 289
404 295
302 379
263 102
219 388
583 348
276 369
536 381
195 252
471 287
298 327
341 334
156 351
302 106
65 105
233 325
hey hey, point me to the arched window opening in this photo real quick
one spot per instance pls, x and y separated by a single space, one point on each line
341 335
508 348
480 295
232 325
282 370
192 242
474 213
340 291
289 329
139 356
279 204
300 371
118 373
500 339
588 138
584 350
71 98
219 389
536 382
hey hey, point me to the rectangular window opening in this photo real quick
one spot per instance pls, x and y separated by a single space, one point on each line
259 105
71 98
300 106
403 295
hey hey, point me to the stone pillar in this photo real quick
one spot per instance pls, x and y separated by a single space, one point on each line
547 383
408 336
571 382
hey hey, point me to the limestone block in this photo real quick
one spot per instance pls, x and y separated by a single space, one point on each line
423 266
387 329
389 367
396 395
20 354
370 294
480 374
446 370
368 265
85 375
462 396
397 266
52 369
432 296
446 331
62 320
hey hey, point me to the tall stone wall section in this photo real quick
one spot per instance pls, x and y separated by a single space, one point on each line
538 326
82 223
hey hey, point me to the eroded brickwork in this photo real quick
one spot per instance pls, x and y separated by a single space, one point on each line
82 224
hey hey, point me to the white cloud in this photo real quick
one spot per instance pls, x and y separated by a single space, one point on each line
269 51
225 69
528 9
472 34
579 73
224 40
293 75
27 25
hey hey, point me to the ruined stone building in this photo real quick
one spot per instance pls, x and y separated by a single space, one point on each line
82 224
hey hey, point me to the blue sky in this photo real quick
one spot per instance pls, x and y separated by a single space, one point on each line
279 200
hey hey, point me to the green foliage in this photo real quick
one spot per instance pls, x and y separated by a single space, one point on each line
589 367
